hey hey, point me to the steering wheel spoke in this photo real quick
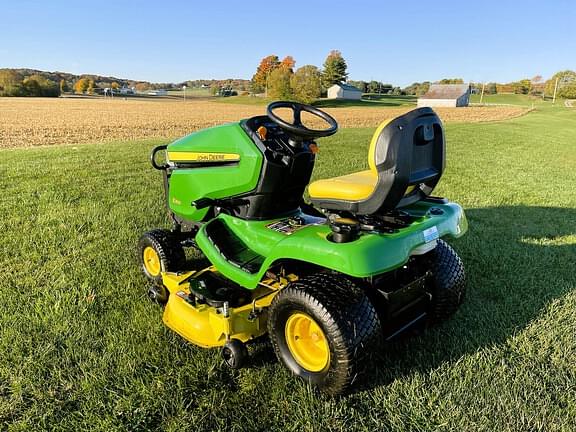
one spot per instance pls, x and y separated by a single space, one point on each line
297 117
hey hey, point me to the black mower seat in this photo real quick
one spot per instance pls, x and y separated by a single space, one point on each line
406 160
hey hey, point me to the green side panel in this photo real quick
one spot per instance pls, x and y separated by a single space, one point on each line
232 272
369 255
189 184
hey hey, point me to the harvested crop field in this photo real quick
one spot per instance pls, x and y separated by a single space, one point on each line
30 122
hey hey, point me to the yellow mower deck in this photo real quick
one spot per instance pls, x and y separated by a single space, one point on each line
207 326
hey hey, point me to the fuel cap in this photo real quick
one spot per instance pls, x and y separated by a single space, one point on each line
344 230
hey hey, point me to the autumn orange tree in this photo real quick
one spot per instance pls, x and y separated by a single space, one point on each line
288 63
267 65
81 85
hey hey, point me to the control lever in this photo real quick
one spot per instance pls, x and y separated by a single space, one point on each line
224 203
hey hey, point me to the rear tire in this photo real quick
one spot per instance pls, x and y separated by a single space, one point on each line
160 251
448 283
323 328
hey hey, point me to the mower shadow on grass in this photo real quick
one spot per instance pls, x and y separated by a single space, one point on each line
518 260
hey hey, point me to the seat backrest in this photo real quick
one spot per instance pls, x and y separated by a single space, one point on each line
408 155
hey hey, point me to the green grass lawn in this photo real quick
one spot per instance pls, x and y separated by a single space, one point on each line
368 101
190 92
81 347
514 99
244 100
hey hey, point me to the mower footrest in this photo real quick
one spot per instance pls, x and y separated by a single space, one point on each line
233 248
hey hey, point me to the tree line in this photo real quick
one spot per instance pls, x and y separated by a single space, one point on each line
32 82
274 77
563 81
278 80
13 83
535 86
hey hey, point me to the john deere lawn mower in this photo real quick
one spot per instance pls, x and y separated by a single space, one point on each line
327 281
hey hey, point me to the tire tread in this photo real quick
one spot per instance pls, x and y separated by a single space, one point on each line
449 283
169 249
349 320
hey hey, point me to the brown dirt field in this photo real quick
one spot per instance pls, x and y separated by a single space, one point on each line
30 122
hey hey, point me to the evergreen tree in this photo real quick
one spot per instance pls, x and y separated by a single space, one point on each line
334 69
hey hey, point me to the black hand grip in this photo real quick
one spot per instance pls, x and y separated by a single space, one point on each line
153 157
203 203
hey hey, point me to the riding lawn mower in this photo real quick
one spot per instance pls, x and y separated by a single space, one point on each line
329 280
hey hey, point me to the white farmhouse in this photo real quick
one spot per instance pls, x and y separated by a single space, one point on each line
446 95
344 91
127 90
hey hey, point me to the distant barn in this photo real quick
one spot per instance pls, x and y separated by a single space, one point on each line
344 91
446 95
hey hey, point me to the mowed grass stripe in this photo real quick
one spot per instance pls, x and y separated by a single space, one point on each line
82 349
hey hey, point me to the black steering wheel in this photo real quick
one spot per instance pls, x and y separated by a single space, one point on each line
296 128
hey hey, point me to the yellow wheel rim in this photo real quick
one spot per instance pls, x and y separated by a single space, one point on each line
151 261
307 342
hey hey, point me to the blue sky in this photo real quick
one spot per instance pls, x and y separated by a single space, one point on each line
392 41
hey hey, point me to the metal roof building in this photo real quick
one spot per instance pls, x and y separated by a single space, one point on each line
344 91
446 95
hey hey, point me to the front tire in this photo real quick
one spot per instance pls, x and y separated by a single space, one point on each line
323 328
160 251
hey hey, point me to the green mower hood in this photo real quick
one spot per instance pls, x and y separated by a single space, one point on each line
226 163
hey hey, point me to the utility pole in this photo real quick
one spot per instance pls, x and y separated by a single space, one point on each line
555 89
482 94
